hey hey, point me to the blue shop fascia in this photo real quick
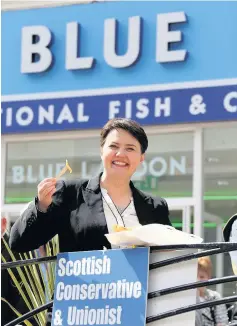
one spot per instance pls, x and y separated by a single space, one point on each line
154 64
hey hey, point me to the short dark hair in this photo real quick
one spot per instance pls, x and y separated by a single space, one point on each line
132 127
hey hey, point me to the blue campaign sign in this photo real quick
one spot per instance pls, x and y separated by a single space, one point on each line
148 107
117 44
101 288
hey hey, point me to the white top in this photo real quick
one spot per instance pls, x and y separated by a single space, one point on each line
233 234
114 216
233 254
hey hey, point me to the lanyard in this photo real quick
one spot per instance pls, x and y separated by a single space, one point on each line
115 211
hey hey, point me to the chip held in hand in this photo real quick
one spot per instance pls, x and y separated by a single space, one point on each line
64 170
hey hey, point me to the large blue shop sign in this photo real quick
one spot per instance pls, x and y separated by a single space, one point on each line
200 104
75 67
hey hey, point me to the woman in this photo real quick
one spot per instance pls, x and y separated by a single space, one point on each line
230 235
81 212
213 316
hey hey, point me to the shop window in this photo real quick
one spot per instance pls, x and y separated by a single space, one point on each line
168 167
28 163
220 176
176 219
166 171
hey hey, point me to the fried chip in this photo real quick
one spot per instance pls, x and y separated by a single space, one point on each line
119 228
64 170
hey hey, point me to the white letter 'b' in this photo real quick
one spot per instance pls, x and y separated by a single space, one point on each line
39 47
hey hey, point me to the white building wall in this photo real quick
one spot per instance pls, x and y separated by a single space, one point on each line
21 4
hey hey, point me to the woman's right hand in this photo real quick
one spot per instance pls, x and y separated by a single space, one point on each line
46 189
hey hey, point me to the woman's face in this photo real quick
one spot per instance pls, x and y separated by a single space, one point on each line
202 275
3 225
121 154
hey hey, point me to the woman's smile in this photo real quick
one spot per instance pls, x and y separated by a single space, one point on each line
119 164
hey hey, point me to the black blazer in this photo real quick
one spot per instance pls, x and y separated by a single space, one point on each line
77 216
